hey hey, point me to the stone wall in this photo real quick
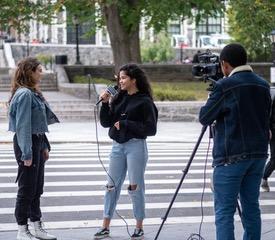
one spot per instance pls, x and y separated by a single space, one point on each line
179 111
89 54
96 61
156 72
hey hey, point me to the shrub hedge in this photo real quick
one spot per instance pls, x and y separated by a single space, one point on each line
168 91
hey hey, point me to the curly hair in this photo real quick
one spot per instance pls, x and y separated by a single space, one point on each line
135 72
23 75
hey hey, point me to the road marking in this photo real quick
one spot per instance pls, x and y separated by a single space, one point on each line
100 207
52 165
100 173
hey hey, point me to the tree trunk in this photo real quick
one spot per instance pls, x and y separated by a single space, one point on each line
125 44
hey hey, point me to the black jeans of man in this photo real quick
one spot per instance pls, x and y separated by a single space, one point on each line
270 166
30 182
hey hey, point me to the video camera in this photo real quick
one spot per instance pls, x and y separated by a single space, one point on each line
209 67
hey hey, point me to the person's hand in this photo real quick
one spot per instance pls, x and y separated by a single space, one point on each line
46 154
105 96
28 163
117 126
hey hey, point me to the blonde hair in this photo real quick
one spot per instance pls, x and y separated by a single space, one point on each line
23 75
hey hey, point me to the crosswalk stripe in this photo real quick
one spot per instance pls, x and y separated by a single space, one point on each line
100 173
50 165
106 152
162 205
123 192
96 159
102 192
103 183
81 208
78 155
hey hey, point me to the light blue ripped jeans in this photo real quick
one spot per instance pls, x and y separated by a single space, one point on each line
131 156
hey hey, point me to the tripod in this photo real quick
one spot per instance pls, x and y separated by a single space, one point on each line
185 171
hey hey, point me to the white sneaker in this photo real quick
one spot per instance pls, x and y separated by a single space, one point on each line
24 233
40 232
265 186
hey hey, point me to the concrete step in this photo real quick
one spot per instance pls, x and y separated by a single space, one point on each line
71 108
5 78
48 80
5 88
62 118
66 110
4 70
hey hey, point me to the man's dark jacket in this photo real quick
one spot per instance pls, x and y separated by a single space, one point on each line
240 104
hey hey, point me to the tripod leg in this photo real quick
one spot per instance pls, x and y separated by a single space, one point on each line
185 171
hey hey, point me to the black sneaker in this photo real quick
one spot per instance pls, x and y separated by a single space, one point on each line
265 186
138 234
102 233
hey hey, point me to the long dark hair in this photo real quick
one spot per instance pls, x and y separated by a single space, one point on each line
135 72
23 75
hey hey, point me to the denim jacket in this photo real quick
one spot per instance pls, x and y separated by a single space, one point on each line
29 114
240 104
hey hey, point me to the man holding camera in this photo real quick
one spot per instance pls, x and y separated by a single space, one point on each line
240 106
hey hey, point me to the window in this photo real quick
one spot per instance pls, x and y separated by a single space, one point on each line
174 28
209 25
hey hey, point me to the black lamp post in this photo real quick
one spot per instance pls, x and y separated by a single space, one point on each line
27 39
272 69
272 38
76 23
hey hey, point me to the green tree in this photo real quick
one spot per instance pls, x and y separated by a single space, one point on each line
17 14
122 17
251 22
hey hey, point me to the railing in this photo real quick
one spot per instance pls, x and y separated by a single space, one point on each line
90 81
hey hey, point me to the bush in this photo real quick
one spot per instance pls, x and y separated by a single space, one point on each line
45 59
183 91
172 95
84 79
164 91
158 51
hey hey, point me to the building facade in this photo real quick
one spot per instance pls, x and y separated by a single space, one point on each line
63 32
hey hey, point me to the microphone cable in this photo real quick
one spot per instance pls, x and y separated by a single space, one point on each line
197 236
103 166
193 236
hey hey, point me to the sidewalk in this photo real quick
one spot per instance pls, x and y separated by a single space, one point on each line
168 232
86 132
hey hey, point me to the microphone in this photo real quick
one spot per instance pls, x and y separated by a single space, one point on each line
112 90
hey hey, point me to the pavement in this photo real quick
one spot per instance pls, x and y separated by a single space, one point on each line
68 132
167 132
168 232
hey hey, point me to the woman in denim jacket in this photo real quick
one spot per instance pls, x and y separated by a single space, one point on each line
29 117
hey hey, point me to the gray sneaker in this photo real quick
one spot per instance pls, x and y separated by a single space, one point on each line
265 186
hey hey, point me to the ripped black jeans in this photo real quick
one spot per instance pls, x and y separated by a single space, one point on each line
30 181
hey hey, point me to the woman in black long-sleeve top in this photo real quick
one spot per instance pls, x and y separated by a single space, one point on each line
131 117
